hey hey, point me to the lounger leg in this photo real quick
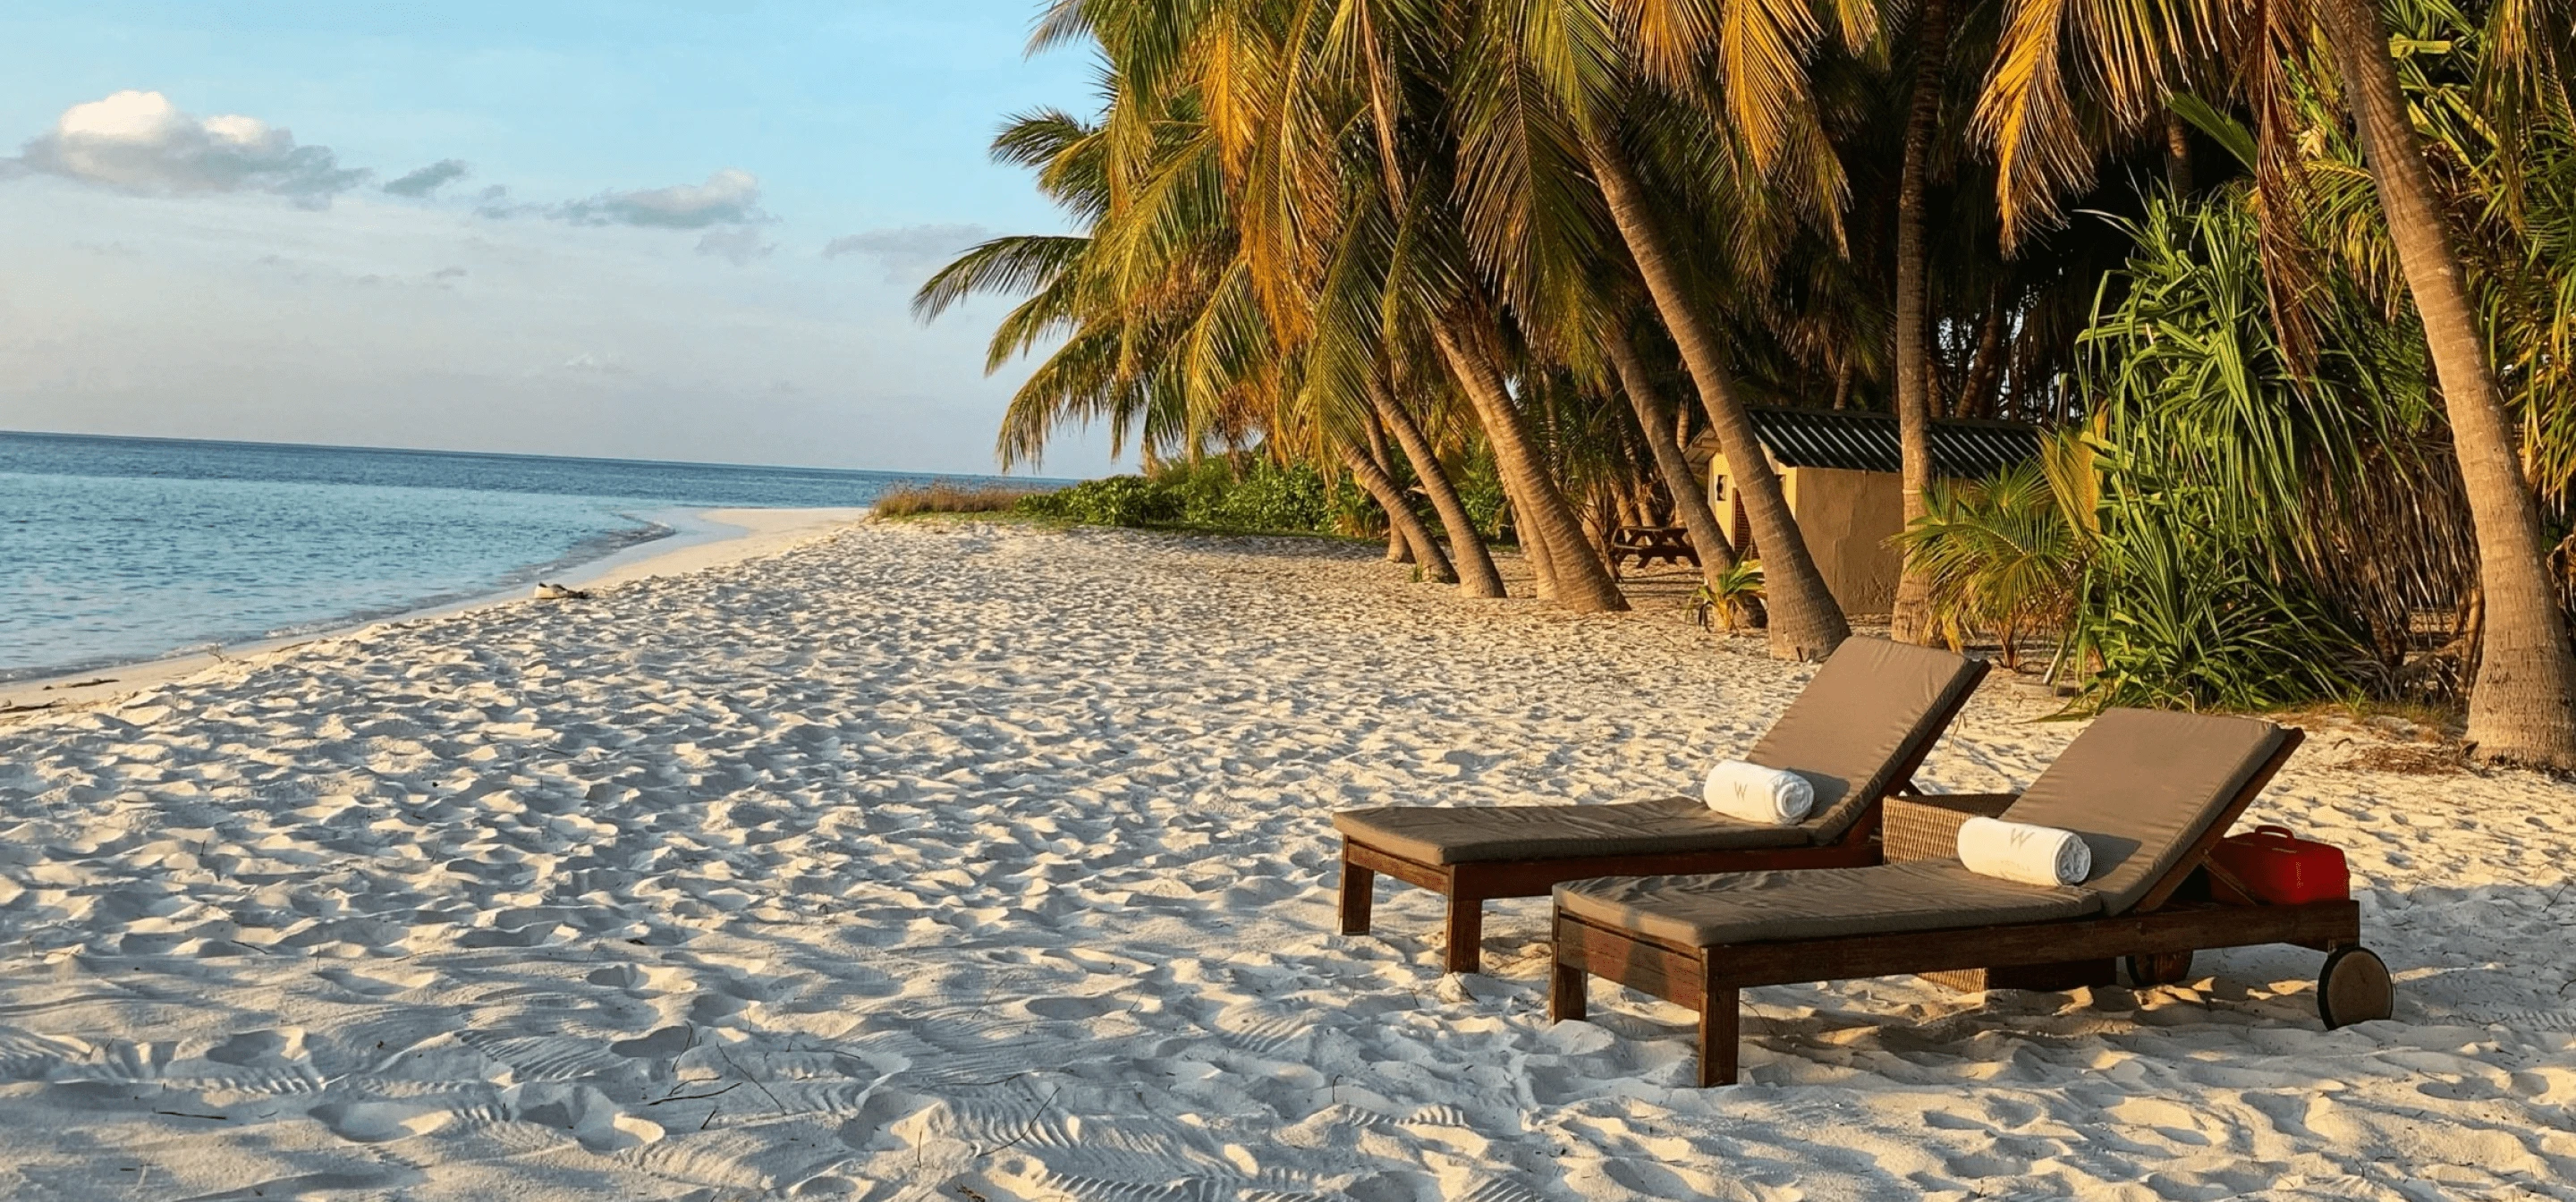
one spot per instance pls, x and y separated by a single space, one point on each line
1466 932
1359 889
1717 1036
1566 986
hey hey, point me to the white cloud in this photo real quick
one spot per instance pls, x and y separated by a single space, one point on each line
736 246
140 142
427 179
908 253
729 197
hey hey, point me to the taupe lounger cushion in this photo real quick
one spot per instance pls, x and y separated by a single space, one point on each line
1851 726
2141 786
1847 732
1710 909
1460 834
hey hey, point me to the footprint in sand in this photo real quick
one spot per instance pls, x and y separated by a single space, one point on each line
380 1122
581 1111
260 1049
668 1041
379 981
1074 1009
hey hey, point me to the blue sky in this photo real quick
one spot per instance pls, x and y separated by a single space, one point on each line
656 229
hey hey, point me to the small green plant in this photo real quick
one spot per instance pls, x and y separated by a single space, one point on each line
1731 600
2000 555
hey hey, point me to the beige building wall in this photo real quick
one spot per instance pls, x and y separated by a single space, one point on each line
1847 518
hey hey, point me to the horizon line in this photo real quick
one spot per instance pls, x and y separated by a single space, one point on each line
451 452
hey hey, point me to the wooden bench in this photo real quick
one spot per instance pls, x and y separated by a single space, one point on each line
1646 544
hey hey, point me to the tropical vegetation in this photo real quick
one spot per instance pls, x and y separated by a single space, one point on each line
2292 282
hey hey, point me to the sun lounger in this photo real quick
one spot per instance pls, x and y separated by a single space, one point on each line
2150 792
1857 732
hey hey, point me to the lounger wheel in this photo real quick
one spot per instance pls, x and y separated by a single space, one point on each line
2354 988
2159 968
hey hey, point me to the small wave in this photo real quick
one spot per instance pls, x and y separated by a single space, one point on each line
588 550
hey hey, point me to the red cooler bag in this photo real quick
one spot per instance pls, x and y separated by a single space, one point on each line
2280 868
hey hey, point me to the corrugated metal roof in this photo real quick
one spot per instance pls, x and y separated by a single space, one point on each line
1862 441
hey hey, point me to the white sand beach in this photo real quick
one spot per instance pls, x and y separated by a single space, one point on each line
974 862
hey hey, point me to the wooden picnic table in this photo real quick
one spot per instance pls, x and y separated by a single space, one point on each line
1646 544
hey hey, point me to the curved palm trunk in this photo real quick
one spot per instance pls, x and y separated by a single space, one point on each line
1655 417
1582 582
1399 514
2523 706
1468 554
1534 549
1399 549
1912 620
1576 578
1806 623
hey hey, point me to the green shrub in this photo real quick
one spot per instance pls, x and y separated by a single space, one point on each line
1480 489
1115 501
1215 494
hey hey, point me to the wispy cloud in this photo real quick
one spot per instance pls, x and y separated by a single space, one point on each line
729 197
140 142
908 253
736 246
425 180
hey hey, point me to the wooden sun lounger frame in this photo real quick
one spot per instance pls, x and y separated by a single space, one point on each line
1470 884
1709 979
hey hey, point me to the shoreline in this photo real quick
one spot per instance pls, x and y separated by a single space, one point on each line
714 537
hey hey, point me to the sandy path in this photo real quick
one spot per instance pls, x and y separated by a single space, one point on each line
962 862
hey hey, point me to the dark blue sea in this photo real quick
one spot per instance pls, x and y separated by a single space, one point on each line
114 550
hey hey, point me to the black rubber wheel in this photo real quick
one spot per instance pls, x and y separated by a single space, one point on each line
2158 968
2354 987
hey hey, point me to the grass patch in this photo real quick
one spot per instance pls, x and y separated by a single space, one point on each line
943 497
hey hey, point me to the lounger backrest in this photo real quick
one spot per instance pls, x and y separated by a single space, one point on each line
1863 722
2142 787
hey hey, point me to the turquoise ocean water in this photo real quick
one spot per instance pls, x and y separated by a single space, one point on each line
114 550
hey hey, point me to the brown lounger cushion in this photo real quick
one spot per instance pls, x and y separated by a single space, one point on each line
2141 786
1460 834
1851 727
1846 732
1710 909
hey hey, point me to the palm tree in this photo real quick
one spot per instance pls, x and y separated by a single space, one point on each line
1574 84
1150 331
1911 621
1365 75
1471 560
1806 621
2522 707
1656 420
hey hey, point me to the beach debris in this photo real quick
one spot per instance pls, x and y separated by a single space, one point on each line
79 684
560 592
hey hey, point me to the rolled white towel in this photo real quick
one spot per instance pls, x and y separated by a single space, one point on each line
1753 793
2019 851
